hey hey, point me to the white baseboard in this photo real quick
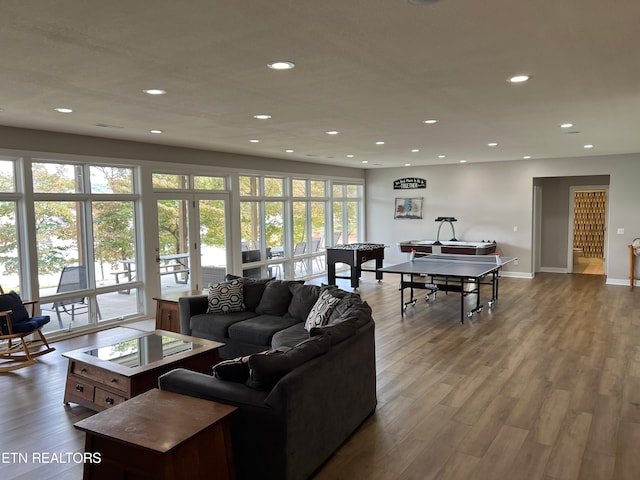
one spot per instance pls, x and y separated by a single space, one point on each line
621 281
528 276
553 270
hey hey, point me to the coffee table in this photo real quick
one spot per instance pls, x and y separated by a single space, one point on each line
101 376
159 435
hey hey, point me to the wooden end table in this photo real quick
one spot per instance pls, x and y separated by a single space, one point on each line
160 435
102 376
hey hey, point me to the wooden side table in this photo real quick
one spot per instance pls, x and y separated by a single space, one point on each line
160 435
167 310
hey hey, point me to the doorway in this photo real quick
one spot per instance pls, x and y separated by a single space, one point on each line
192 241
587 229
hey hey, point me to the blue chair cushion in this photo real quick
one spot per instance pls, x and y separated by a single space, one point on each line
31 324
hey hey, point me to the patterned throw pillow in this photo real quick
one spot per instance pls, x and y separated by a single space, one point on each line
319 314
226 297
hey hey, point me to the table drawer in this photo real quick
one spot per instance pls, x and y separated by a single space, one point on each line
113 380
79 388
107 399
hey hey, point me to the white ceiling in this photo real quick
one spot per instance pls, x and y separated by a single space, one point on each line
372 69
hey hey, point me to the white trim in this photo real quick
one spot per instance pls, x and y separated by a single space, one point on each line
553 270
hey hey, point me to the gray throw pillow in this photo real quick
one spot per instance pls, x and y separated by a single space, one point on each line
304 297
276 298
253 290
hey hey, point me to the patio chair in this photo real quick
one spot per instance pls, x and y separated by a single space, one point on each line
336 238
16 323
299 249
212 274
316 247
71 280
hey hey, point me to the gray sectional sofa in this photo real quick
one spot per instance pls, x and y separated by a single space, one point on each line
299 400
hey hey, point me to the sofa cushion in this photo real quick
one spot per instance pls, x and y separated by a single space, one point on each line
276 298
260 329
217 324
303 299
337 331
290 336
253 290
265 370
319 314
226 297
235 370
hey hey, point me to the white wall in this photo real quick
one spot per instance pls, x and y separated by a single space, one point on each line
490 199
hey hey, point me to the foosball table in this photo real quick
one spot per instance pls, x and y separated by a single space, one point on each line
354 255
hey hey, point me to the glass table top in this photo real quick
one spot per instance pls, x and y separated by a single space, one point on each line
142 351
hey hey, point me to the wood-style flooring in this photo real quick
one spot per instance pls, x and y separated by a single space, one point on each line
546 385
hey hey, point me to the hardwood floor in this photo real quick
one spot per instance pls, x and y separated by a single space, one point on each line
544 386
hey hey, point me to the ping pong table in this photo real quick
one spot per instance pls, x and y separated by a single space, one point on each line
450 273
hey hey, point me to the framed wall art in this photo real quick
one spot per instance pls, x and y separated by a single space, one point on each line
408 208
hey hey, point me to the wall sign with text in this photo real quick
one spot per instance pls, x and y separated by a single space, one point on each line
409 183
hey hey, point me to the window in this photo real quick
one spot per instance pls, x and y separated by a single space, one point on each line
209 183
347 213
169 181
85 242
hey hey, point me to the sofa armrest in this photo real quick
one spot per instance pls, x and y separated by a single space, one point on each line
188 307
208 387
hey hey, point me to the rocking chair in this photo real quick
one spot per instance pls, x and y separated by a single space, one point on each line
15 324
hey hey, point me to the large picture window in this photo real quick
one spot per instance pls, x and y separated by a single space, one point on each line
85 241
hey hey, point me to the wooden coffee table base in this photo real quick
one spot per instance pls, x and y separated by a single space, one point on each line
99 384
160 435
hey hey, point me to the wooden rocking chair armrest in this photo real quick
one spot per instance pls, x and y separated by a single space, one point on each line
31 304
5 313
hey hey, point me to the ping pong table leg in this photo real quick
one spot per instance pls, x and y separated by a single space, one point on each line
462 301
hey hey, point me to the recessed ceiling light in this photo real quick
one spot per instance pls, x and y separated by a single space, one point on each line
63 110
526 157
262 116
492 144
415 150
379 143
407 164
566 125
422 2
442 156
155 131
254 140
430 122
588 146
154 91
281 65
519 78
332 132
463 161
365 161
289 150
351 155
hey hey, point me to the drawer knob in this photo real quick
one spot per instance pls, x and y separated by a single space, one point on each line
109 400
79 388
83 369
114 380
